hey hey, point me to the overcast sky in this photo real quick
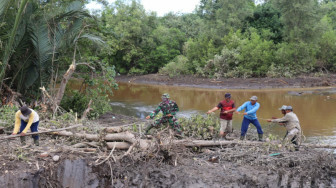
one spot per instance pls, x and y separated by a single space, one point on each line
161 7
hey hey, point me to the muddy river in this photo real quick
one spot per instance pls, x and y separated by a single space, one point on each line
315 107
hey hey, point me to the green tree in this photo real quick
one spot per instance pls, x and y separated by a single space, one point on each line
128 30
225 15
326 55
300 19
266 17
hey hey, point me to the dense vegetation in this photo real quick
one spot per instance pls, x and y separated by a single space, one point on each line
223 38
40 40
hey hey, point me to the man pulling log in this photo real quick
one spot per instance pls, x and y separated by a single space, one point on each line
25 119
169 109
292 124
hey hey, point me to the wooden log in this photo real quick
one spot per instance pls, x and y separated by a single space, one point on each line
319 145
118 145
129 137
41 132
144 143
121 128
208 143
86 144
115 129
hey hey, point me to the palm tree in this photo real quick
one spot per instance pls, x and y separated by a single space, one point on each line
40 32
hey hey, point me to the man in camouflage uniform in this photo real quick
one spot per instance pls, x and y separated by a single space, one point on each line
169 109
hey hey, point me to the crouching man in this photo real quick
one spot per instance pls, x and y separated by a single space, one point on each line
292 124
25 119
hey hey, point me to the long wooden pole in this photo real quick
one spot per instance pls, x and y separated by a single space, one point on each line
41 132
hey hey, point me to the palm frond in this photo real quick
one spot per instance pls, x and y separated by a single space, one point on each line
93 38
31 76
9 46
75 9
4 4
42 45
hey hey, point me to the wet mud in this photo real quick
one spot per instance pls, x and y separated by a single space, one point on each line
232 83
191 170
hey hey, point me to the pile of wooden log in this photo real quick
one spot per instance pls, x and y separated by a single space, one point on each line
121 138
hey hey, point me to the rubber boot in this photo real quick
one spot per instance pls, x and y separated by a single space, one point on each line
36 142
260 137
242 137
23 140
179 134
224 136
148 129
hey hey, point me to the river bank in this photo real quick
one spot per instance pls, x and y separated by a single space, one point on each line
232 83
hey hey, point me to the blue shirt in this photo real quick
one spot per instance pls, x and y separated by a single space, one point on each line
250 109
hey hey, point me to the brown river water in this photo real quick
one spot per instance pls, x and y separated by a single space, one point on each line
315 107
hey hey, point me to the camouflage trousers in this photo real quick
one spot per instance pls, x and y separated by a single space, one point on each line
172 122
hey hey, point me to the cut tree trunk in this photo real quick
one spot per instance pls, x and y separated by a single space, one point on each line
63 84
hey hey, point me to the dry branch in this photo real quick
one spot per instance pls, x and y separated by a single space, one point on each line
87 110
41 132
121 128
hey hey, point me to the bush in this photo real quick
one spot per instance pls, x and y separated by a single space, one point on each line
200 127
136 71
242 56
7 116
176 67
75 101
326 54
279 71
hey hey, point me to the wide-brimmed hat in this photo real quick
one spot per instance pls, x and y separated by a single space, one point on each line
283 107
25 110
254 98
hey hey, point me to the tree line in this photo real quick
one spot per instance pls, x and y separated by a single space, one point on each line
223 38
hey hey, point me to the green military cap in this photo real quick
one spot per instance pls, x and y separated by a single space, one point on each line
166 95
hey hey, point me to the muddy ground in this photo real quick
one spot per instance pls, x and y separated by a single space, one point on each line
264 165
232 83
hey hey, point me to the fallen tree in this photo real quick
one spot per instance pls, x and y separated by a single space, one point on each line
122 139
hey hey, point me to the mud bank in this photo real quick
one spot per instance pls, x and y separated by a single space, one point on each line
232 83
68 173
194 170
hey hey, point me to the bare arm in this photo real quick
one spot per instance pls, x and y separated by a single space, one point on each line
228 111
212 110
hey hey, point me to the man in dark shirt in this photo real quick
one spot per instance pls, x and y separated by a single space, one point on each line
227 107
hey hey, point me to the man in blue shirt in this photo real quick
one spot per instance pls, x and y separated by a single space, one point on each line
250 116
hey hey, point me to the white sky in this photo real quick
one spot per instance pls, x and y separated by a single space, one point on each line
161 7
